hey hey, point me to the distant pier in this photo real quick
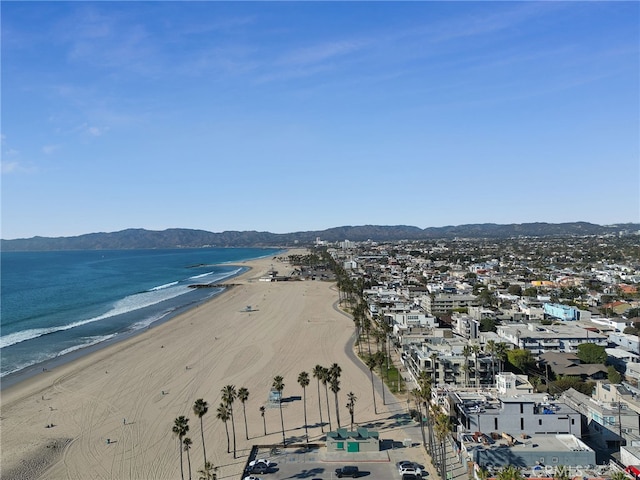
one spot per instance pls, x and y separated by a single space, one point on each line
213 285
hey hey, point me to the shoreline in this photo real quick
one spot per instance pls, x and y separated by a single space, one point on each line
130 392
15 378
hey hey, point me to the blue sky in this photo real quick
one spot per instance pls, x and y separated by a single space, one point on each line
289 116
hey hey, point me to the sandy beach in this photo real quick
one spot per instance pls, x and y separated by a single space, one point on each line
131 392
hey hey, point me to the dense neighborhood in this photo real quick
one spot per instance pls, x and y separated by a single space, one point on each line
518 354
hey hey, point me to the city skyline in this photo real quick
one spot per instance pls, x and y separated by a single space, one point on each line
286 117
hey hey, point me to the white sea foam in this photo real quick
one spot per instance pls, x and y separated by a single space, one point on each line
44 357
200 276
87 343
166 285
127 304
148 321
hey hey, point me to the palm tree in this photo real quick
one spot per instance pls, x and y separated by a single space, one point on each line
366 325
223 415
200 408
562 473
334 382
490 348
325 380
475 349
229 396
303 380
264 422
186 441
371 363
619 476
388 330
466 353
379 356
243 395
482 473
416 394
317 373
180 428
278 385
424 397
350 405
510 472
443 427
208 472
501 354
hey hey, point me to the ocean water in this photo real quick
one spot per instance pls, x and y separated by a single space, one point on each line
55 303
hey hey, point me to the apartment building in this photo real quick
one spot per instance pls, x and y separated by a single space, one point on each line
539 339
443 303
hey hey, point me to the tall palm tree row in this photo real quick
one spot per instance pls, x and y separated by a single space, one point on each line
443 428
229 396
180 429
278 385
317 374
424 385
303 380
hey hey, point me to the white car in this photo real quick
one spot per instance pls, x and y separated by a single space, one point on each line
409 470
251 477
408 465
264 461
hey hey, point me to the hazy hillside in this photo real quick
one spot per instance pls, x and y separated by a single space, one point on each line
177 237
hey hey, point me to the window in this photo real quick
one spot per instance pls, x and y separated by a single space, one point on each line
495 421
521 408
539 421
339 445
573 421
521 423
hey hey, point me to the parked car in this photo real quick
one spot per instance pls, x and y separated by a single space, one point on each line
251 477
406 465
409 471
259 468
410 476
264 461
348 471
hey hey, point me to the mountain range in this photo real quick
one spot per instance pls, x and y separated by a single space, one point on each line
188 238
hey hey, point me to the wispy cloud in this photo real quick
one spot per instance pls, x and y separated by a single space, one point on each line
92 130
49 149
490 23
321 53
13 167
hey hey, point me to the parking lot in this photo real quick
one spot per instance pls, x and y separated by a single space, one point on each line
317 463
